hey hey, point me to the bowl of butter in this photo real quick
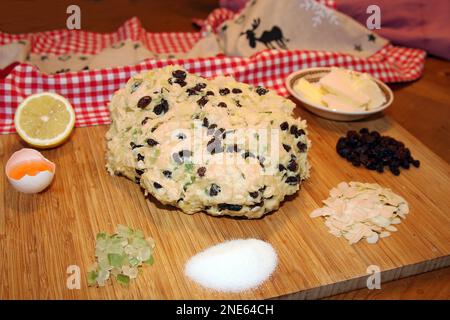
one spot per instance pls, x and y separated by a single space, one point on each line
339 94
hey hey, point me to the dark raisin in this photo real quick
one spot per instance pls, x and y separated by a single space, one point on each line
292 166
293 130
356 163
231 207
151 142
395 171
301 146
214 190
145 121
222 104
254 194
167 174
364 158
179 74
209 93
363 131
258 204
374 151
201 171
238 104
202 101
157 185
161 108
144 101
404 164
261 91
343 152
342 143
224 91
140 157
134 145
287 147
236 90
181 136
284 126
293 180
416 163
248 154
139 172
191 92
352 134
299 133
205 122
375 134
153 129
281 167
199 86
182 83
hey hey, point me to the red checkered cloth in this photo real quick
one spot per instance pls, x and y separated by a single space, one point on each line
90 91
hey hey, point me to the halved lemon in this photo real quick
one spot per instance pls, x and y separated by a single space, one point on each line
44 120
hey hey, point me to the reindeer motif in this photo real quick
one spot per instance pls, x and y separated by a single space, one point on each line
267 37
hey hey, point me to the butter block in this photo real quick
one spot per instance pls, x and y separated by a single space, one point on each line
340 83
369 87
341 103
310 91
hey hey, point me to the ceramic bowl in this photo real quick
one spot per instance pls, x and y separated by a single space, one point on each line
314 75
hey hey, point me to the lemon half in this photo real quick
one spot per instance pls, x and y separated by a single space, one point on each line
44 120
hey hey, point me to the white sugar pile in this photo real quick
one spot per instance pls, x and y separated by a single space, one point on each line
234 266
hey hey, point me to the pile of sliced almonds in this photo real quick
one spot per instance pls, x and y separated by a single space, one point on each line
358 210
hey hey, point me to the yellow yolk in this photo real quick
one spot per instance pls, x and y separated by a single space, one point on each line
30 168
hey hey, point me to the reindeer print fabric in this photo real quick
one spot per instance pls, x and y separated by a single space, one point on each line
262 24
295 25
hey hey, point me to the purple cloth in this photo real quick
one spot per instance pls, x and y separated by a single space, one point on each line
233 5
421 24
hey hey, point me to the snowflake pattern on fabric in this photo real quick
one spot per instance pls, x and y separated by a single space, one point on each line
320 12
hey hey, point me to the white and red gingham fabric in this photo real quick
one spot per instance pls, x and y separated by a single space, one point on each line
90 91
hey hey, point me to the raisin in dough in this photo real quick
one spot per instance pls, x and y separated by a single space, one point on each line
152 141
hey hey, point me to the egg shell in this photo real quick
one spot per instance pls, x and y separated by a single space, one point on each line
33 184
30 184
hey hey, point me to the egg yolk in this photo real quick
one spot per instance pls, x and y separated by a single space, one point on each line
30 168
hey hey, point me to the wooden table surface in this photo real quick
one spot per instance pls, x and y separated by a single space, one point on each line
421 107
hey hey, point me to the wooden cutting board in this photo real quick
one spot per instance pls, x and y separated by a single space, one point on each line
41 235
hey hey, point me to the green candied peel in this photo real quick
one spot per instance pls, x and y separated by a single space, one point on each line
188 167
120 256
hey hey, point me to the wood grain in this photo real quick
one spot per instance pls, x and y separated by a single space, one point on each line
41 235
422 108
